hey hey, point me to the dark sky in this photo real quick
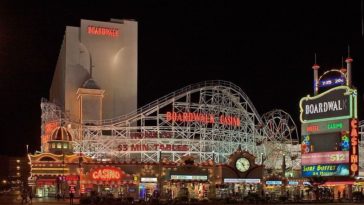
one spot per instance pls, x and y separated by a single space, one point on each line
266 48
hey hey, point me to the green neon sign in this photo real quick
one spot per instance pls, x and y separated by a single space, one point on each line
331 126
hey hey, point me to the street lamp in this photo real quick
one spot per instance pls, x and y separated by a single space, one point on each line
261 158
159 172
213 179
284 182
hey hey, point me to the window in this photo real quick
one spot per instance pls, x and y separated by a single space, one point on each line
47 159
65 146
59 145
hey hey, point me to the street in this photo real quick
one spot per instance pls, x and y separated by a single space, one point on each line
14 197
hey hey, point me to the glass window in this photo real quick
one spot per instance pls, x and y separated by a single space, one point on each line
59 145
65 145
53 145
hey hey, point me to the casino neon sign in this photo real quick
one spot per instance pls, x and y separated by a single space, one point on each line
106 174
202 118
354 157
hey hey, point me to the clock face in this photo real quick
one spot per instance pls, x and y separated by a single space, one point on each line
242 164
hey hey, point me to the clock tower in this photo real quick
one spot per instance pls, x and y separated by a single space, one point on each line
243 163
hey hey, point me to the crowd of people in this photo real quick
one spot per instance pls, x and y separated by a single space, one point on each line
26 196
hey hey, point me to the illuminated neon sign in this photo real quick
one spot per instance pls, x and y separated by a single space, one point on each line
336 103
312 128
152 147
240 180
332 78
202 118
331 82
189 177
103 31
332 126
354 157
325 170
338 157
72 178
325 142
148 179
106 174
273 182
324 127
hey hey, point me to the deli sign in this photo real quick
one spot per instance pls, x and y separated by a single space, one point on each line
336 103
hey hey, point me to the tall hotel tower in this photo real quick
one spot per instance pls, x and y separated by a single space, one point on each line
96 73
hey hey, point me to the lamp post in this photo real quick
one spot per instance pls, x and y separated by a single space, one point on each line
261 186
62 178
213 179
160 172
261 158
80 171
284 182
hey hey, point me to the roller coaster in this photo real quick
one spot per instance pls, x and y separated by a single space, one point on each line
207 120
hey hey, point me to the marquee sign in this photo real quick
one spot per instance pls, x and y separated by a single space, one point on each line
152 147
149 179
188 177
325 142
273 183
106 174
332 82
325 170
338 157
336 103
332 78
354 152
202 118
241 180
324 127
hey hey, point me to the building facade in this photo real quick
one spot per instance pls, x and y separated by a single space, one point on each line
106 53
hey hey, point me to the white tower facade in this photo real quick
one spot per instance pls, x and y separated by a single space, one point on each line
105 52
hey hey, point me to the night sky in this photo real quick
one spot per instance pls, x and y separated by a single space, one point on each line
265 48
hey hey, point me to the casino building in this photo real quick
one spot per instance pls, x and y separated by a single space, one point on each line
206 139
203 138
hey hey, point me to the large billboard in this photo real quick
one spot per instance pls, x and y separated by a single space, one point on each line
329 133
325 170
336 103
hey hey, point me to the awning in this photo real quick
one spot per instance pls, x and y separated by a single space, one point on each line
338 183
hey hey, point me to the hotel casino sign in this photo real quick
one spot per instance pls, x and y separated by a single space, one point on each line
337 103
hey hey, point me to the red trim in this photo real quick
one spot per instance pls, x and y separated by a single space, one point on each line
339 183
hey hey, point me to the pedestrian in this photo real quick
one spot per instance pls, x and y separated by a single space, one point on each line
24 197
71 198
30 196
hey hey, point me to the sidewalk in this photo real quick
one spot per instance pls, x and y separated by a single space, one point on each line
54 201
